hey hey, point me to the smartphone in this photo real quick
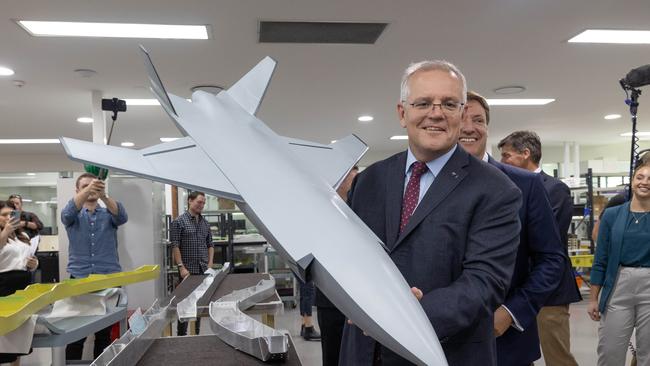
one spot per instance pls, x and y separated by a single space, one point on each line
15 214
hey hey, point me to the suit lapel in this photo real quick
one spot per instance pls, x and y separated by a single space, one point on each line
449 177
394 193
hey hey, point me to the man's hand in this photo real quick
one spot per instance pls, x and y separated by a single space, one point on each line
183 272
502 321
592 310
417 292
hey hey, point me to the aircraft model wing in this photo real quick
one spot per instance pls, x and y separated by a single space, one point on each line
170 162
333 161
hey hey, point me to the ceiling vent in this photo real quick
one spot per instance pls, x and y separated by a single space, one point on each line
320 32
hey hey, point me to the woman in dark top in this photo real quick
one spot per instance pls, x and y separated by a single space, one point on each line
621 270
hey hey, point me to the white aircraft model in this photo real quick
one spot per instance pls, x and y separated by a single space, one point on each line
286 187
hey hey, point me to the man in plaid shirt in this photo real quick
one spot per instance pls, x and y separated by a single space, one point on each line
192 248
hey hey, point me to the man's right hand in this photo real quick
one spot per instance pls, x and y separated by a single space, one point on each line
183 272
592 310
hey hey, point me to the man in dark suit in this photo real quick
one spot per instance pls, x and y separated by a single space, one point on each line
523 149
540 257
448 220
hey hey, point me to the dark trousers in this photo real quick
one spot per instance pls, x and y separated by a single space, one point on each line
330 322
74 350
307 298
181 327
11 282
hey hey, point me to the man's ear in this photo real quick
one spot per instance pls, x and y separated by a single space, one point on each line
526 153
400 114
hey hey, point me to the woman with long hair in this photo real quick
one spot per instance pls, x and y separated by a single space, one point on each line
621 275
16 261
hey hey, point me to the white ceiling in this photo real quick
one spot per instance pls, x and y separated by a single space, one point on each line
318 91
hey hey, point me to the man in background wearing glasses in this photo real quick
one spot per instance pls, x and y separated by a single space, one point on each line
448 220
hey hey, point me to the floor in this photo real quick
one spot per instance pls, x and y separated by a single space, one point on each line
583 337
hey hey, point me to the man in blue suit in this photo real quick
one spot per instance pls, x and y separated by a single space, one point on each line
448 220
523 149
540 256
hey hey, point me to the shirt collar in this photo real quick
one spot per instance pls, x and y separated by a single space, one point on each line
486 157
538 170
435 165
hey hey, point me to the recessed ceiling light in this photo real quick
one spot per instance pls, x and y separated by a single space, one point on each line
519 101
116 30
333 141
85 120
513 89
399 137
612 36
28 141
639 134
212 89
5 71
365 118
127 144
613 116
85 73
168 139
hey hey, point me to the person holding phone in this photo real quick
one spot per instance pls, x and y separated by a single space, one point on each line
29 222
92 235
15 260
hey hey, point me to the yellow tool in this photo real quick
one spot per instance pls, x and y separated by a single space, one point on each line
16 308
585 260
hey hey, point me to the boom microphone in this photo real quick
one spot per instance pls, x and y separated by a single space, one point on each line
637 77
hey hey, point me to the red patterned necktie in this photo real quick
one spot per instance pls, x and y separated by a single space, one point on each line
412 194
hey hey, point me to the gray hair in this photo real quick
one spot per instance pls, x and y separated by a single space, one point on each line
428 65
522 140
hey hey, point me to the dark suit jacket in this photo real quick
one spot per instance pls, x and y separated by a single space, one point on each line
459 248
562 204
538 269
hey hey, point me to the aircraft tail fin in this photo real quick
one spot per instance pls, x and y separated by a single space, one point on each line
250 89
156 85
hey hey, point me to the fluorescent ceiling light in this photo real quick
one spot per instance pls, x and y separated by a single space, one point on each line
116 30
613 116
85 120
168 139
127 144
399 137
333 141
31 173
13 177
638 133
365 118
519 101
29 141
612 36
132 102
5 71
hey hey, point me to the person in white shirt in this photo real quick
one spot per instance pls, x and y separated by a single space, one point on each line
16 261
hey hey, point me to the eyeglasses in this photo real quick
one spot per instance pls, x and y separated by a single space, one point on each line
15 196
448 106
